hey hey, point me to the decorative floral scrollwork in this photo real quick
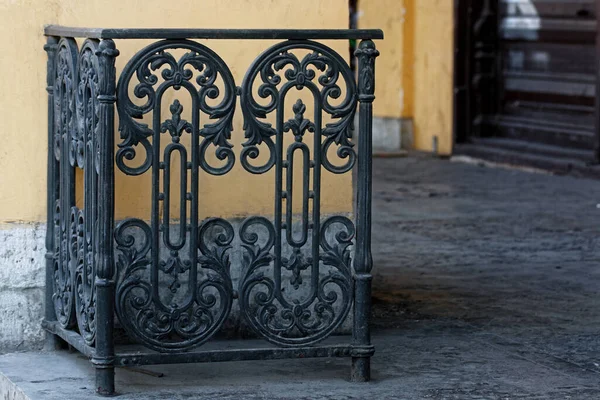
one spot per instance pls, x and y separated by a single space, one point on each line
176 126
176 74
297 285
299 125
85 297
139 305
85 242
63 284
337 254
270 66
296 263
262 301
177 296
66 147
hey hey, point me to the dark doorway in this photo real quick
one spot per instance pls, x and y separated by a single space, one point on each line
525 82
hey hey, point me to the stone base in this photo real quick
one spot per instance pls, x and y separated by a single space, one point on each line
392 134
22 278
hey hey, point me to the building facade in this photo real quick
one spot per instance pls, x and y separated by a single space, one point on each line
413 105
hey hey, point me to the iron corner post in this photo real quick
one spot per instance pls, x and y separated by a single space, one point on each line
49 315
363 262
597 92
104 357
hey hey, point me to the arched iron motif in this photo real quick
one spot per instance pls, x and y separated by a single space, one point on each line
177 74
283 318
300 75
178 300
66 145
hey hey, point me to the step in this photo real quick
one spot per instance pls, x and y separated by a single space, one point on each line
553 164
534 148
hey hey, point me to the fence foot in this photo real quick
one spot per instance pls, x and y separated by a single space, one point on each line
361 369
53 342
105 381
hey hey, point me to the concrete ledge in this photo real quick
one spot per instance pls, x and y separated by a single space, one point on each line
22 279
9 390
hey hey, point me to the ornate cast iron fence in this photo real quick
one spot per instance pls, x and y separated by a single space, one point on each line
169 284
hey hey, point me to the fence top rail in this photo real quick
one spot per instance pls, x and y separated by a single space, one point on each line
168 33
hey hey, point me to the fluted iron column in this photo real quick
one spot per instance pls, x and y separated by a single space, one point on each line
363 262
105 283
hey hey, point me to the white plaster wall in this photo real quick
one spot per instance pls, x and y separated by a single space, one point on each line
387 134
22 262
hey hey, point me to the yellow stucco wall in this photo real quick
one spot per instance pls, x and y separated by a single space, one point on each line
414 71
393 89
23 103
433 70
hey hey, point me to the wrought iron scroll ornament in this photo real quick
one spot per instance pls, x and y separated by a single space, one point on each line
168 325
176 74
76 146
199 292
66 137
300 74
292 319
86 221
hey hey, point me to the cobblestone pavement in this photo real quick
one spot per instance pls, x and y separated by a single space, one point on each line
510 259
486 286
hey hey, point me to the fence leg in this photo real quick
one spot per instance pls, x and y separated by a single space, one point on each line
52 342
105 284
361 361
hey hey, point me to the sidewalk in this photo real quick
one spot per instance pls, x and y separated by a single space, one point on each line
486 286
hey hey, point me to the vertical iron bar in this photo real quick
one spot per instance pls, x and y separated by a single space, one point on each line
352 24
361 365
280 194
597 94
66 180
103 359
49 313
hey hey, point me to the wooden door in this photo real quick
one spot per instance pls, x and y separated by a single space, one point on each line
527 83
